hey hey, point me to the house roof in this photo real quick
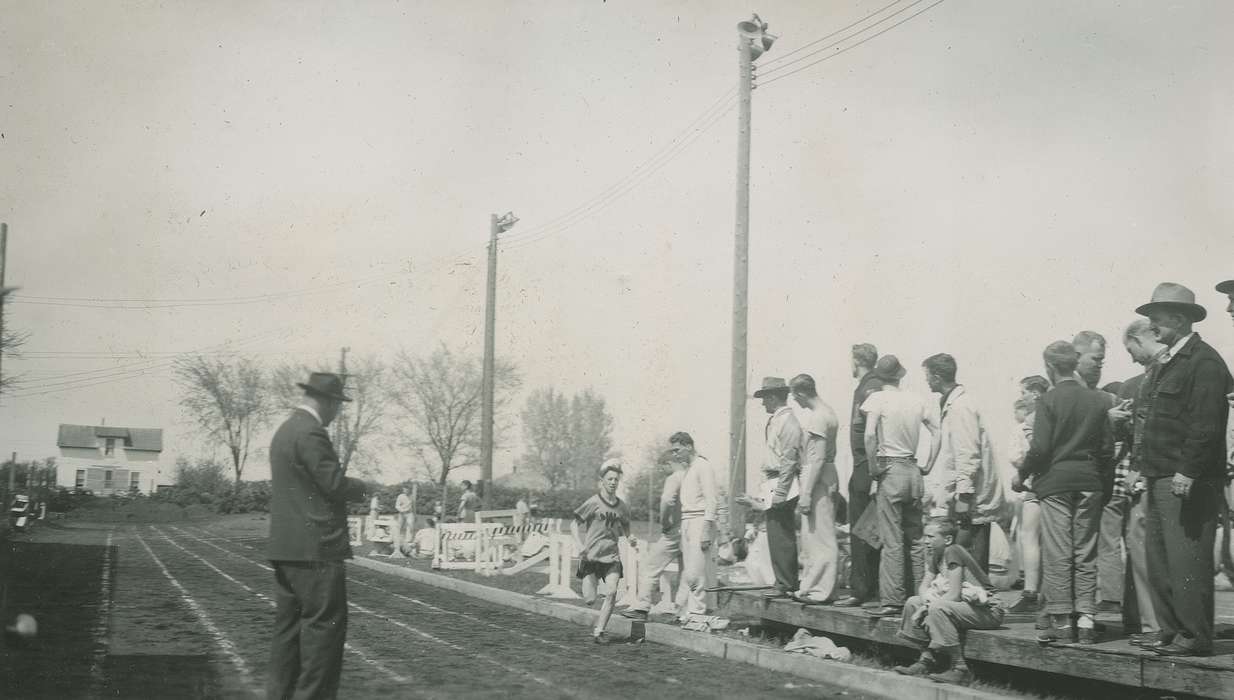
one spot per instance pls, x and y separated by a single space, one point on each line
88 436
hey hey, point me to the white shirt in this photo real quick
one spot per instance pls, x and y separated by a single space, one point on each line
309 410
403 503
698 491
1178 345
898 417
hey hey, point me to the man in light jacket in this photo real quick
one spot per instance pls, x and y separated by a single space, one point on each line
966 473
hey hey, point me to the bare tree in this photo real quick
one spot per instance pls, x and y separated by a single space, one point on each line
227 396
10 341
440 395
358 421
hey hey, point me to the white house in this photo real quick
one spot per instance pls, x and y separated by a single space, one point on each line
110 459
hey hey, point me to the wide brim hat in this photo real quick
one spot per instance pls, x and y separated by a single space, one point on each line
1174 297
888 368
1226 287
325 384
772 385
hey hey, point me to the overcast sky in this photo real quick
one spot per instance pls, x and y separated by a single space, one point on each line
981 180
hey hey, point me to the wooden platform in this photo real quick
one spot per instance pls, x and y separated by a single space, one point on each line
1114 661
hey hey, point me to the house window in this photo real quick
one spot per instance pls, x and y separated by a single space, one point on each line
107 479
110 448
134 481
80 481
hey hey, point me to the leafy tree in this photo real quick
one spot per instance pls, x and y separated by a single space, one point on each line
566 440
228 398
440 395
10 341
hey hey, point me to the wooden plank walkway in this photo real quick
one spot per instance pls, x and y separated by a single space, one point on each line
1113 661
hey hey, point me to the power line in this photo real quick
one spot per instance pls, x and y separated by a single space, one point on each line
842 39
879 33
630 186
803 47
635 173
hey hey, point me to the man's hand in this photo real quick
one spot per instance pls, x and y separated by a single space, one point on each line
873 488
1017 483
707 535
1230 397
1181 486
1121 412
803 507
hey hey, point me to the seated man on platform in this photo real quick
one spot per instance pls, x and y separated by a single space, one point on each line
960 597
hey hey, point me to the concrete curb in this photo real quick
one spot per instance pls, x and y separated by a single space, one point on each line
862 679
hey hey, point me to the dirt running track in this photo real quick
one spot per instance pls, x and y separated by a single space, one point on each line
178 611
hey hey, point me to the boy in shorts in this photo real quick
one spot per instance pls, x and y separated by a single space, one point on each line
597 524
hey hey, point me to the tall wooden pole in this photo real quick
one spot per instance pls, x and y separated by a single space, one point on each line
486 406
4 292
741 283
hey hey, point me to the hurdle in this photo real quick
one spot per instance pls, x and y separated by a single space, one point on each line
355 530
631 561
560 555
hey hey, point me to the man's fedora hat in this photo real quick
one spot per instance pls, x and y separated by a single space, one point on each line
889 369
772 385
1174 297
1226 287
324 384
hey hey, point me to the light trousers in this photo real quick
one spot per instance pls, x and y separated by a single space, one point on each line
818 547
698 565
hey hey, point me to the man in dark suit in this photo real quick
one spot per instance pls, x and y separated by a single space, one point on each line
308 543
1181 454
863 576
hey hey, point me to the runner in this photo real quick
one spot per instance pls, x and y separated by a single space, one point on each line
597 524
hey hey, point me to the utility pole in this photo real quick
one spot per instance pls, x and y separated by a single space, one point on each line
497 226
752 41
4 293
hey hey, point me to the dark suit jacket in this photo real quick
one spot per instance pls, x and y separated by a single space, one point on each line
309 494
1073 442
857 423
1186 411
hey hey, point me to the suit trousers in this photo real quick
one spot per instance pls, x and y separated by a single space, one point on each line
1110 549
782 542
1180 534
898 500
818 547
1069 525
310 626
863 574
1137 594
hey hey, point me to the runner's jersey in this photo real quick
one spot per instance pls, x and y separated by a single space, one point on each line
603 522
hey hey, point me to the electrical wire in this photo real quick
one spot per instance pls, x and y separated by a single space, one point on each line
839 41
681 148
780 57
855 45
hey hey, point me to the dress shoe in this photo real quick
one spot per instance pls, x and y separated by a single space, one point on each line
919 668
1177 650
955 676
849 602
775 594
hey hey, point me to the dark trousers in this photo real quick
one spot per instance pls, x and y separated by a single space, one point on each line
863 576
782 541
1181 533
976 539
310 625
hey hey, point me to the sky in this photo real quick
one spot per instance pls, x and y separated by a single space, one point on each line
287 178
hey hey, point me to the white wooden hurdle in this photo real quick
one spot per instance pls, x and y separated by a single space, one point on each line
560 571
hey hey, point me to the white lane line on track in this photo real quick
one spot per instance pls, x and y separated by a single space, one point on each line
434 608
229 649
398 623
101 624
360 653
